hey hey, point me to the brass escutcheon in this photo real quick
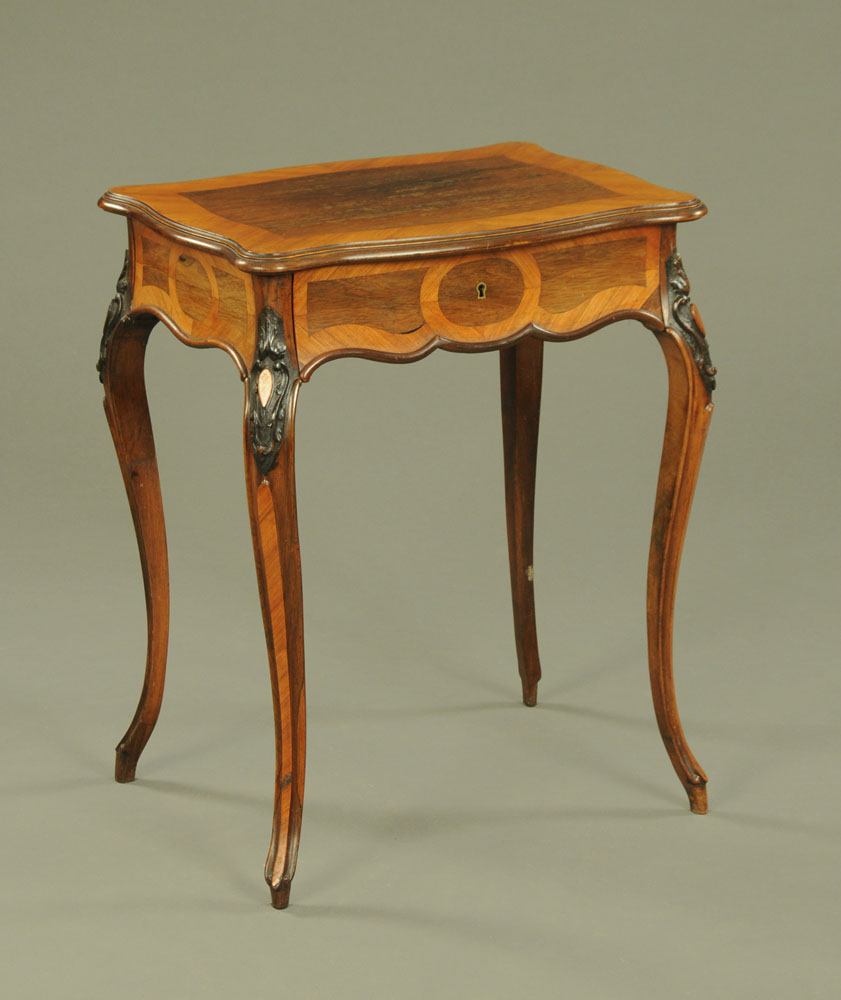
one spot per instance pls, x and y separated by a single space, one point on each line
481 290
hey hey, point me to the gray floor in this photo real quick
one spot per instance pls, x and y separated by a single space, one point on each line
455 843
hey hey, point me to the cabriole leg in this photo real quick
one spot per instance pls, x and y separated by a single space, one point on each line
127 410
270 483
521 374
691 381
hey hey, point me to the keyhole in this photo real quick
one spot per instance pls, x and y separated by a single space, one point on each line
481 290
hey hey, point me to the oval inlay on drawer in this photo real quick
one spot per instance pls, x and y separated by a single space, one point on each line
459 292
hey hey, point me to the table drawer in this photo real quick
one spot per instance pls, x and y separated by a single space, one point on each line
404 309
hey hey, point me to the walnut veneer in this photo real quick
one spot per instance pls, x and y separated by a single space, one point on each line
498 248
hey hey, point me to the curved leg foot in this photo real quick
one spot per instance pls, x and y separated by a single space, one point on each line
698 798
280 895
270 483
521 373
127 411
689 412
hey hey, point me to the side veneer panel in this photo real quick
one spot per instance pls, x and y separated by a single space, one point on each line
204 298
155 257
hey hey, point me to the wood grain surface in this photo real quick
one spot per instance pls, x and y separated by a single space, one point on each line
561 288
502 195
202 297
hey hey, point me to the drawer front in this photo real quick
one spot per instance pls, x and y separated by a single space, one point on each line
406 308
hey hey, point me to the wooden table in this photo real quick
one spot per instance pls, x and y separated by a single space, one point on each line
498 248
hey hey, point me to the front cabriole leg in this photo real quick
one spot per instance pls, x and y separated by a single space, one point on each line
691 381
272 390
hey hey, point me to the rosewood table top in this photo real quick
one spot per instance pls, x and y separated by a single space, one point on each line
502 195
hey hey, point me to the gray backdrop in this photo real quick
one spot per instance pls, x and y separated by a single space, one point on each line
454 842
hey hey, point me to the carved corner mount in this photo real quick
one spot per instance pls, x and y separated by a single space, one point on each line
269 386
684 318
117 309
